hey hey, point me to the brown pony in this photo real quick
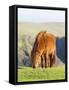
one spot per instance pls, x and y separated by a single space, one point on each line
44 50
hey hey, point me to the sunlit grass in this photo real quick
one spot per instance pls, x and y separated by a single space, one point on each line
38 74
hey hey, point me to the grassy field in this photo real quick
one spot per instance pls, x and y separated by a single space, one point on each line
30 74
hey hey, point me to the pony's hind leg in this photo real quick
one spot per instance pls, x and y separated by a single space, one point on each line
42 59
46 60
51 60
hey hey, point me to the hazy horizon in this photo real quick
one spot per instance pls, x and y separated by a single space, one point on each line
39 15
58 29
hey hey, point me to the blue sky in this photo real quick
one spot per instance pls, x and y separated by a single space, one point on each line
37 15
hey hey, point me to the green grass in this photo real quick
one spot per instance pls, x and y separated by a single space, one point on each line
38 74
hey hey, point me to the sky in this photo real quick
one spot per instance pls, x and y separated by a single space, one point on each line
40 15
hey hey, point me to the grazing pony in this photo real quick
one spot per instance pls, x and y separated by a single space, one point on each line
44 50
